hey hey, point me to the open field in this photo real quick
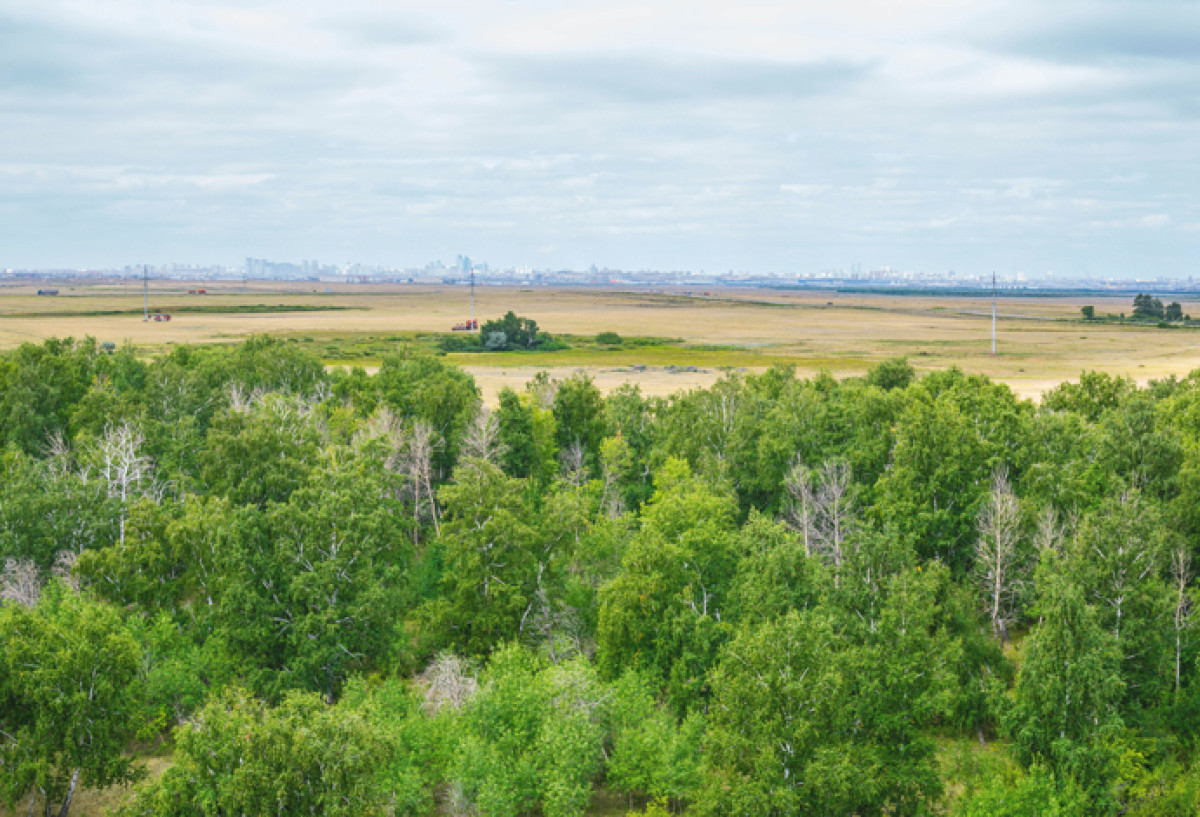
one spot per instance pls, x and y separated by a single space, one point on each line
1041 340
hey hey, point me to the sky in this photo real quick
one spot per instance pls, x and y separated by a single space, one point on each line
1026 136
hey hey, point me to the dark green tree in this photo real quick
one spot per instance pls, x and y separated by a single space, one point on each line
69 699
807 721
578 414
895 373
517 332
40 386
425 388
515 421
491 557
240 756
531 741
1065 703
663 611
1147 307
260 453
312 588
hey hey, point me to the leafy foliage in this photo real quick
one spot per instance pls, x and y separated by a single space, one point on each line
349 593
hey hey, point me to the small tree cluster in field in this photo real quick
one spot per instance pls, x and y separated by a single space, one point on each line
1147 307
335 593
510 333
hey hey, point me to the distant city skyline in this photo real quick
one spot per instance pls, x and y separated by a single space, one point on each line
465 270
1021 136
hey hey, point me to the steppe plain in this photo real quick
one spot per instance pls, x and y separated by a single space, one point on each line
1041 338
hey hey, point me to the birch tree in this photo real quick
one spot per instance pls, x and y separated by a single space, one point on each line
1181 579
416 464
124 469
799 510
833 506
482 437
21 582
574 463
1050 533
70 692
997 555
821 508
1121 558
491 554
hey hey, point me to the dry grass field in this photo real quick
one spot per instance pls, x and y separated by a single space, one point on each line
1041 340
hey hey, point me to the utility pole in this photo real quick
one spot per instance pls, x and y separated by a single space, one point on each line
471 323
993 312
145 293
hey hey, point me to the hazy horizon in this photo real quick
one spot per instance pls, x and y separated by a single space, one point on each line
928 136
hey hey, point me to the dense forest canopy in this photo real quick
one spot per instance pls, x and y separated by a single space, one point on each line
339 593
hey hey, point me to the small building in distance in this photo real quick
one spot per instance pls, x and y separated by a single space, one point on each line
47 292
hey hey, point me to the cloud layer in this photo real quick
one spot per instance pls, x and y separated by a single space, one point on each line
931 135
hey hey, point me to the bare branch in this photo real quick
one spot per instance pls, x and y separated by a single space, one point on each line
449 682
415 462
1181 577
125 471
822 508
1050 534
573 458
996 554
64 568
482 439
20 583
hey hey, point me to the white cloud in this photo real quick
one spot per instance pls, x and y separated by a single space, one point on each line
925 135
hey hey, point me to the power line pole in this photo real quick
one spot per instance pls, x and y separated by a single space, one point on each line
471 323
145 293
993 312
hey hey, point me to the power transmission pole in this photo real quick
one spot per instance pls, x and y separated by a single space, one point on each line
145 293
993 312
471 323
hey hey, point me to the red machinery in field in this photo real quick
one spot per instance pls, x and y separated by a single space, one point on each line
160 317
466 326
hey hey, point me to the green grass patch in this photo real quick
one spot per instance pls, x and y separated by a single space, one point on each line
655 356
204 309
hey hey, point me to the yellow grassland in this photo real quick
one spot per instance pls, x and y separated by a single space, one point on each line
1041 342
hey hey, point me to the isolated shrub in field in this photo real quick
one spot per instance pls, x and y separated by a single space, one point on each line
519 333
608 339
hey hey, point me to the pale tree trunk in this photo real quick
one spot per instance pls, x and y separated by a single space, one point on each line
799 513
832 511
821 508
1181 573
66 806
996 554
21 582
1050 533
125 471
574 456
417 463
482 439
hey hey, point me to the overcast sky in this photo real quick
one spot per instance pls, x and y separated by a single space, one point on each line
1023 135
